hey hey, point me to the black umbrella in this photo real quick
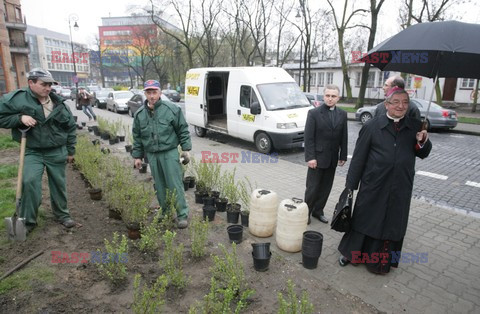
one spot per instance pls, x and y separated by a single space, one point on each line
444 49
436 49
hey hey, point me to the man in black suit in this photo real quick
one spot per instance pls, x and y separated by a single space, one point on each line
325 146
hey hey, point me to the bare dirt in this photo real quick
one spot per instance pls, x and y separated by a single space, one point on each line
80 288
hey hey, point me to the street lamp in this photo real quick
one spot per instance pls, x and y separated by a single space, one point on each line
299 17
73 18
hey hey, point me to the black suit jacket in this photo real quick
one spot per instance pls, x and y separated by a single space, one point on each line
325 142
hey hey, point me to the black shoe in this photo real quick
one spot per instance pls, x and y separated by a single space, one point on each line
343 261
322 218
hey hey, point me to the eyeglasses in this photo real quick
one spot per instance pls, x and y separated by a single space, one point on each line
398 102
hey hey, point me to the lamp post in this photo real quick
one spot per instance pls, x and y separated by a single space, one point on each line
73 18
299 17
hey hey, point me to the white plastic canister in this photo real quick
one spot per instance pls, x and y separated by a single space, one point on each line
292 221
263 213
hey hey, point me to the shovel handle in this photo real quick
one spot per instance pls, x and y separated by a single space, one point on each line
23 145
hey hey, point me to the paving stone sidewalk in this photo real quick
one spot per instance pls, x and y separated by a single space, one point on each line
448 283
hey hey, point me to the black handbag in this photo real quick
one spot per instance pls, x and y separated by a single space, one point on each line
342 215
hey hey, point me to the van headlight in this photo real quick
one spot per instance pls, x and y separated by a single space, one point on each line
290 125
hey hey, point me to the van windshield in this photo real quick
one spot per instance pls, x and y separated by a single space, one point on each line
282 96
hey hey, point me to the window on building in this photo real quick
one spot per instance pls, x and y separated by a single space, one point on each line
380 79
371 79
18 13
468 83
358 78
321 79
329 78
313 79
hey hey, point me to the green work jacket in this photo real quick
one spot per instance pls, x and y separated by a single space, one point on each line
159 130
58 129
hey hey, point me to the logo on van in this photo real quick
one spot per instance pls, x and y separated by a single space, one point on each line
193 90
192 76
248 117
292 115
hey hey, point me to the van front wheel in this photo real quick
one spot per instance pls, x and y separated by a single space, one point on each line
263 143
201 132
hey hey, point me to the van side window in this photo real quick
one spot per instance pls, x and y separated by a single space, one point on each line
247 96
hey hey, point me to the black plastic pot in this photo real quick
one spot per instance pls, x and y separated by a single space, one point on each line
96 132
235 233
90 129
121 138
209 212
207 200
312 243
232 217
261 264
143 169
133 231
84 123
221 204
75 118
192 181
261 250
128 148
244 218
186 184
96 142
79 127
309 262
105 136
114 214
95 194
112 140
215 194
199 195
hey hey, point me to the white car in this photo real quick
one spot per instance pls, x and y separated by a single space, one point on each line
117 101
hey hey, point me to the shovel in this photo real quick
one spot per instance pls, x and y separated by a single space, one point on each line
16 228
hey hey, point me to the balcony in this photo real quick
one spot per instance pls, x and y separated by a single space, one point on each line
14 23
21 47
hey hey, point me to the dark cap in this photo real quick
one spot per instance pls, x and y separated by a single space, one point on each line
42 75
151 84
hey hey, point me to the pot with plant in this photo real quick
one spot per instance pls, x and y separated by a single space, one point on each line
137 198
245 189
244 214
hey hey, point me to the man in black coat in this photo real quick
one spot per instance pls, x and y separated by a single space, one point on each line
325 146
383 164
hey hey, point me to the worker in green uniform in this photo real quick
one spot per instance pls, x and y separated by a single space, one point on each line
158 128
51 143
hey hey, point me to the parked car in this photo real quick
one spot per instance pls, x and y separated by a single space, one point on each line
315 99
65 92
172 94
438 117
117 100
101 99
138 100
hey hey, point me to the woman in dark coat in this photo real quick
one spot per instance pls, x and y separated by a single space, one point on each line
384 163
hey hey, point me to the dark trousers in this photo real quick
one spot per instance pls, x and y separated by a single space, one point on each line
319 185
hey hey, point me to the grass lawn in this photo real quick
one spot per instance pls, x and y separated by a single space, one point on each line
469 120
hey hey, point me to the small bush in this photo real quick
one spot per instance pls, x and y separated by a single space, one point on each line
149 299
149 242
198 237
172 261
292 305
113 263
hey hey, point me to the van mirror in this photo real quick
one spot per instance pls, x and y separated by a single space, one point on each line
255 108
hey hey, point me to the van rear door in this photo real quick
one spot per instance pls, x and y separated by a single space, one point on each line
195 110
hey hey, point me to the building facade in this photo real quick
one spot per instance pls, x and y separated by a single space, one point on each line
53 51
14 49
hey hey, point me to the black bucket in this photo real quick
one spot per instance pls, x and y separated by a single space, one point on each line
221 205
209 212
232 217
208 200
312 243
261 250
261 264
309 262
235 233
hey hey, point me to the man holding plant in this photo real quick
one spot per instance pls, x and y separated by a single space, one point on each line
158 129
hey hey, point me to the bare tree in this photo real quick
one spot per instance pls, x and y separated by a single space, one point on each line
285 41
341 27
374 11
210 44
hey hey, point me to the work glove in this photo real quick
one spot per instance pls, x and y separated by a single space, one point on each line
185 158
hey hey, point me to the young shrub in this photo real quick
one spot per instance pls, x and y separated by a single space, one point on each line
228 284
113 263
292 305
198 237
149 299
149 242
172 261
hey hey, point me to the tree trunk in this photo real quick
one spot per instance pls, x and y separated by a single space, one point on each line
438 93
346 78
475 97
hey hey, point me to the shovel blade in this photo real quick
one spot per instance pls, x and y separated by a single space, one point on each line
16 229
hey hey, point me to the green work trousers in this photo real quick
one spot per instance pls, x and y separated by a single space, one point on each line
167 173
36 160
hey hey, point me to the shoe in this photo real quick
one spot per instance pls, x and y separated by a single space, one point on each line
182 223
68 223
343 261
322 218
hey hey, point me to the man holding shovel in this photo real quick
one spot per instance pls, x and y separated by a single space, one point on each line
50 143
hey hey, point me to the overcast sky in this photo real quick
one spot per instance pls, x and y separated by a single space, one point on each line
53 15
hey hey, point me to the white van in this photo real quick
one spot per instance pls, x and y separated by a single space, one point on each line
257 104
